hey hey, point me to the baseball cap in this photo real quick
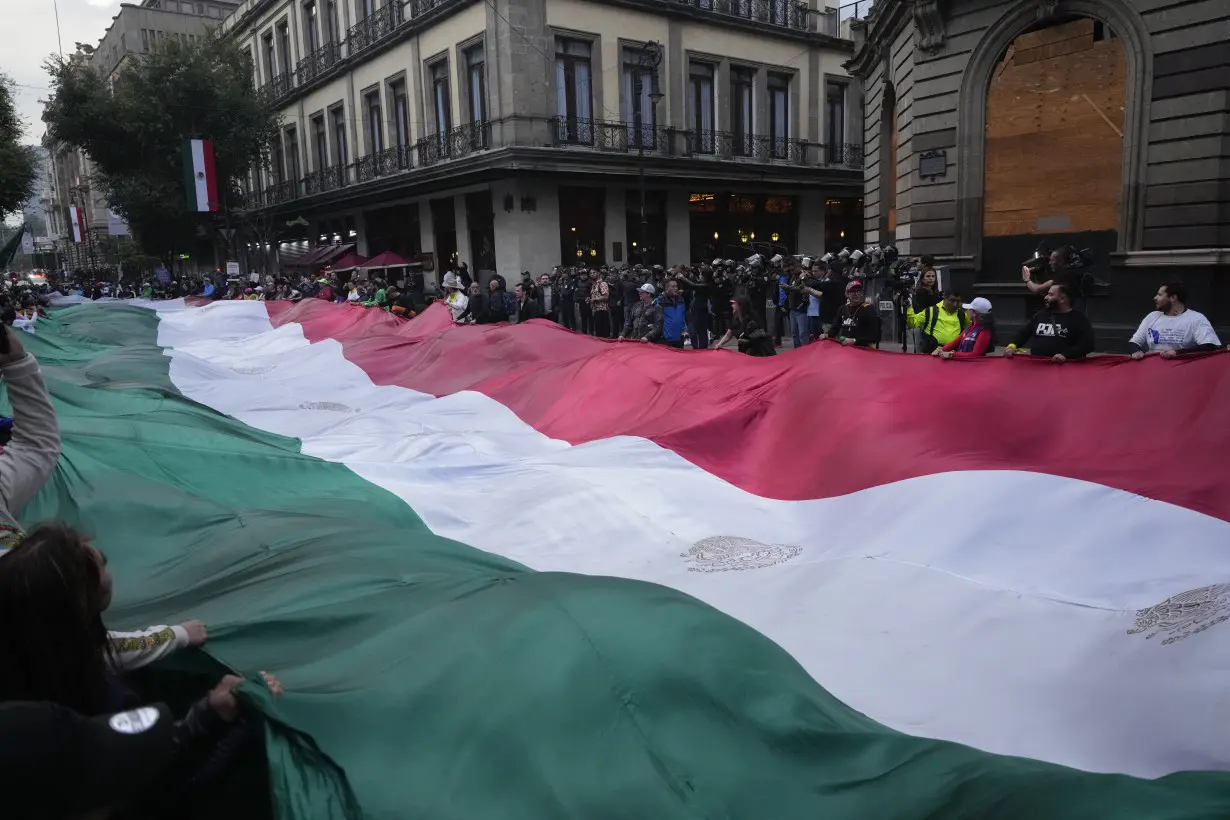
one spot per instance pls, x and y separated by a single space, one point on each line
647 288
855 285
67 765
979 305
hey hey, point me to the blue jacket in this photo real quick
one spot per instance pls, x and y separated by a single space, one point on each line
674 318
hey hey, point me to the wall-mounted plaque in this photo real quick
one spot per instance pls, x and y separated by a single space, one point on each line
932 164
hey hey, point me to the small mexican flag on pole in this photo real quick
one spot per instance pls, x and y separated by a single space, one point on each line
200 178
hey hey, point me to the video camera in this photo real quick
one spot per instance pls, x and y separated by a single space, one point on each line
1078 260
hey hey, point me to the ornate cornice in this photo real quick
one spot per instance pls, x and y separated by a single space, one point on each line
886 20
930 24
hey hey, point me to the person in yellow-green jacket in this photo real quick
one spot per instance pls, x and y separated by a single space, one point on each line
940 324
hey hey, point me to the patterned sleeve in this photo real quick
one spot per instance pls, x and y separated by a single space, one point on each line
133 650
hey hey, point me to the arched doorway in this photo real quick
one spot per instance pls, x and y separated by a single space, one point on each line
1055 114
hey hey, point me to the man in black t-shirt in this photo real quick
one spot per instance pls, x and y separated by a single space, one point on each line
857 322
1059 332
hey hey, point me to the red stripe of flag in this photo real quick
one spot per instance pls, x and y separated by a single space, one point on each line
211 175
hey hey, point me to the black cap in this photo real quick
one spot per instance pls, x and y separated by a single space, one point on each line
56 764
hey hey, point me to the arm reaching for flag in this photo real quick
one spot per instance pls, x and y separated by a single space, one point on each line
31 455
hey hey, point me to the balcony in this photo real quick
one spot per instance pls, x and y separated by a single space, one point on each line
625 137
454 143
373 28
560 136
278 87
318 62
789 14
384 163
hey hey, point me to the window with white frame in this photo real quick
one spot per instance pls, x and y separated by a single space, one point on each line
700 103
779 114
636 102
742 110
573 92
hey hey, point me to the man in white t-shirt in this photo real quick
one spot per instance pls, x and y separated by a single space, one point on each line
1173 328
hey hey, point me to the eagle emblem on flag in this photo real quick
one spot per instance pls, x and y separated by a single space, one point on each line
722 553
1186 614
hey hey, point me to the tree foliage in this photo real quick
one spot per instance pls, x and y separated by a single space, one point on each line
133 133
18 165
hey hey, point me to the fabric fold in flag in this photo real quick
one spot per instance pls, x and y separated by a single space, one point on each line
475 616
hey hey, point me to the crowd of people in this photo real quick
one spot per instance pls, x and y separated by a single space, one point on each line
76 739
754 305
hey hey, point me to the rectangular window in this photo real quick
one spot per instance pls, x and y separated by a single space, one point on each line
375 123
145 39
271 62
333 23
476 82
779 115
700 98
339 135
311 34
742 116
320 142
573 93
284 46
835 119
476 95
401 112
369 8
292 156
441 104
275 161
635 101
401 122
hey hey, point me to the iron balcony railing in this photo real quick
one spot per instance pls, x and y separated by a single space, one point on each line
791 14
623 137
454 143
848 155
384 163
418 8
373 28
565 134
278 87
318 62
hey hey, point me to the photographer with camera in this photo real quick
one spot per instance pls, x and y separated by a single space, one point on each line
857 322
1067 267
939 323
1059 332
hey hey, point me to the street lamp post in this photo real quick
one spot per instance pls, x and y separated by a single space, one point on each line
648 59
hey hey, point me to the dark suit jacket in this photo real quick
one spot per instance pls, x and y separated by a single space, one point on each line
527 310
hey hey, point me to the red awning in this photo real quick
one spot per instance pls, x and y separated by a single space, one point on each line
321 256
388 259
349 261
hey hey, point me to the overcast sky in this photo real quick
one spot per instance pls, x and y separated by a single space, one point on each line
30 36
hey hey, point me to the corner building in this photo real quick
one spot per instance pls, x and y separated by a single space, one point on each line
519 134
994 126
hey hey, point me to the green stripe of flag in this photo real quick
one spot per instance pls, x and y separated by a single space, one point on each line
189 176
450 683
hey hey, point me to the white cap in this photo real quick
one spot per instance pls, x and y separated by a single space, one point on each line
979 305
647 288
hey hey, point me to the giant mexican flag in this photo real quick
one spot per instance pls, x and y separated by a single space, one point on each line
510 572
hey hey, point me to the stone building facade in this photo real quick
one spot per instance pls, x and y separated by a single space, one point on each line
996 126
519 134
